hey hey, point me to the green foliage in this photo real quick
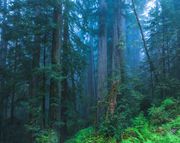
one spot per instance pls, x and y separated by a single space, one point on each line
167 133
82 135
52 72
166 129
115 124
46 136
168 85
158 115
165 112
168 102
88 136
139 121
142 130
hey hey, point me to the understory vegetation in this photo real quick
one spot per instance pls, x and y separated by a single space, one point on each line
162 125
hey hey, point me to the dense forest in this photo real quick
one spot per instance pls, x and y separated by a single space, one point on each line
89 71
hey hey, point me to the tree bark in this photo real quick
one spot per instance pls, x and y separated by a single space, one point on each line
34 81
118 42
3 57
13 94
44 87
55 86
65 85
118 69
90 80
102 58
177 25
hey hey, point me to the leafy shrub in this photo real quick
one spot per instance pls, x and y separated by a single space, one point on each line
158 115
167 129
88 136
150 134
139 132
139 121
168 110
46 136
173 126
168 102
82 135
164 129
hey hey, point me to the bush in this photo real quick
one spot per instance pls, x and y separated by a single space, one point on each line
88 136
168 110
167 129
46 136
167 133
163 126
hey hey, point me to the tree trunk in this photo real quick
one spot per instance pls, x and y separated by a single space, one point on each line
34 82
55 91
13 94
102 59
3 57
118 43
91 80
177 21
118 69
65 70
151 64
44 87
3 45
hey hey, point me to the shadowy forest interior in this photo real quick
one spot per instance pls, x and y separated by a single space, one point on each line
89 71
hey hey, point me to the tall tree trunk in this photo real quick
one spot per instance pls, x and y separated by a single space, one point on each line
55 86
34 82
35 58
65 70
91 80
118 42
177 21
13 94
102 58
151 64
44 87
118 69
3 57
3 47
164 54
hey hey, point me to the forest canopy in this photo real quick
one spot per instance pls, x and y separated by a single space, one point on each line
89 71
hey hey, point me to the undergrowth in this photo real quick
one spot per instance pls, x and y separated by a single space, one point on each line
161 126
